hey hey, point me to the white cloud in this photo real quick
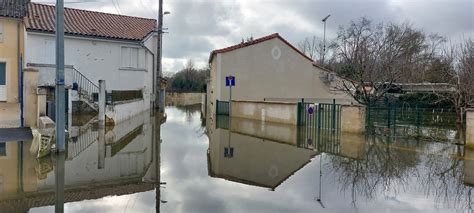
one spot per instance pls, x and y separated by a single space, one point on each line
196 27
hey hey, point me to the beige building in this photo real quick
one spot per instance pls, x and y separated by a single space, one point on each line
270 69
12 33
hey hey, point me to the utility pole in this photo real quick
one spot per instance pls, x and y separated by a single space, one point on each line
59 90
159 73
324 38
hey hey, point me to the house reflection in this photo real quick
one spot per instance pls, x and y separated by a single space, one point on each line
255 154
266 154
119 161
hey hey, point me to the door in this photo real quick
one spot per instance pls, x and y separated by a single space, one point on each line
3 82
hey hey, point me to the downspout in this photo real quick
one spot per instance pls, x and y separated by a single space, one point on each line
20 71
142 43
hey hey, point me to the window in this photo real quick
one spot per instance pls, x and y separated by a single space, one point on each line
3 150
130 57
1 32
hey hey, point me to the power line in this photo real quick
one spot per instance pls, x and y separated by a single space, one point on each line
152 13
117 6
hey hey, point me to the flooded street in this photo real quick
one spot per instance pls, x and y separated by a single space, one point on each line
255 167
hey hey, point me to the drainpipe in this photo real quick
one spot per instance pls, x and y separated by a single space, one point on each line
20 71
153 74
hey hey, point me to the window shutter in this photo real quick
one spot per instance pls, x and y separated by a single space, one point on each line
134 57
1 32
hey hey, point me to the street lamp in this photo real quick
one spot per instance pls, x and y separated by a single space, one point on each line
324 38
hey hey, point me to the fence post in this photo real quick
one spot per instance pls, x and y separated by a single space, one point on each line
102 103
470 128
333 114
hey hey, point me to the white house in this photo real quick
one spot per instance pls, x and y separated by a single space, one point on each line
98 46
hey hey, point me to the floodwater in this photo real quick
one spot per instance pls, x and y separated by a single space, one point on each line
183 165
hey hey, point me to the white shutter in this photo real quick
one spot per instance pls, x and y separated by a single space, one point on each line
125 57
134 57
1 31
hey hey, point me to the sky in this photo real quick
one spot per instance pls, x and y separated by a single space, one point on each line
196 27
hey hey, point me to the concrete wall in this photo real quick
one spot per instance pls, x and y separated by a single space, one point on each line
9 55
282 133
470 128
270 69
353 118
126 110
177 98
278 112
30 97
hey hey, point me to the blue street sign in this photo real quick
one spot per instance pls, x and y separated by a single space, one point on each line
230 81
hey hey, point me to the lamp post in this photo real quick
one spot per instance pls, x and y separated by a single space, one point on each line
159 97
324 38
59 89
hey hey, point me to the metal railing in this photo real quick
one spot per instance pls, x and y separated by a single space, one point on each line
84 87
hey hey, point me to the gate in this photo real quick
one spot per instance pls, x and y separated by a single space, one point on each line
319 126
321 116
222 107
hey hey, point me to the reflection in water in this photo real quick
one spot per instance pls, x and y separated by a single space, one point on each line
239 165
98 163
369 168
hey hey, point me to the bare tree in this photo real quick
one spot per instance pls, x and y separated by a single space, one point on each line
313 47
458 61
377 56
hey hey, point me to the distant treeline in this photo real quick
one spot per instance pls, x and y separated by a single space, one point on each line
189 79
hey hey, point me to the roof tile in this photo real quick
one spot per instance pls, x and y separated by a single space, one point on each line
89 23
13 8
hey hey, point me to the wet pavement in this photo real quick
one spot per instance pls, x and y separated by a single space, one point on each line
254 167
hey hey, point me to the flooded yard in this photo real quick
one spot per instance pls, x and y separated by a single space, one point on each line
235 165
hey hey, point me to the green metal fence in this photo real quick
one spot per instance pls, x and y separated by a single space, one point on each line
323 116
397 114
222 107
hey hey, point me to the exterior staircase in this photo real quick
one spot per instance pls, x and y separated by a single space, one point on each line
85 88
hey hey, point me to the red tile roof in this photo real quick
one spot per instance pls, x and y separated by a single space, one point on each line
78 22
256 41
13 8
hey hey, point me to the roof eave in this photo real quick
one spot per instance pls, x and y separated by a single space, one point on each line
85 36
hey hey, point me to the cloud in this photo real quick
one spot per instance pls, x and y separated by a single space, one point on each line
196 27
